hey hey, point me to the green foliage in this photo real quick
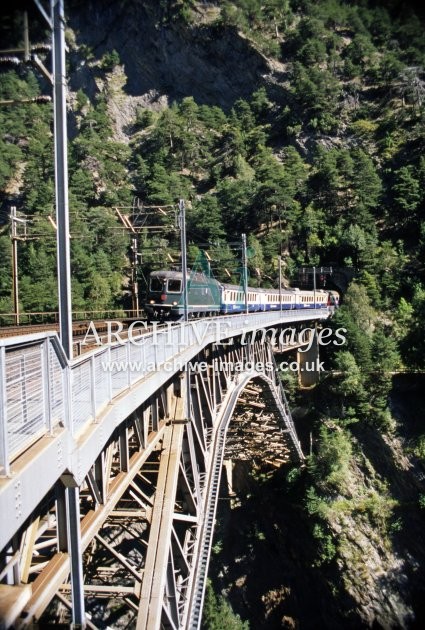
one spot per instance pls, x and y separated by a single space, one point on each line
356 303
351 379
325 168
110 60
370 283
144 117
419 447
81 99
10 155
406 193
316 505
379 507
327 549
413 343
317 92
205 221
330 465
364 128
218 614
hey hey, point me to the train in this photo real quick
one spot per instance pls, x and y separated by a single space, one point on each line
208 297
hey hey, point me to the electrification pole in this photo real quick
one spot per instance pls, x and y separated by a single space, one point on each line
182 223
14 237
134 284
61 175
280 282
64 283
245 272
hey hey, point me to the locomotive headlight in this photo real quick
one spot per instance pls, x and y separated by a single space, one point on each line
175 303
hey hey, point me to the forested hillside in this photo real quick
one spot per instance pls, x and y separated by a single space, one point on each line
301 123
320 160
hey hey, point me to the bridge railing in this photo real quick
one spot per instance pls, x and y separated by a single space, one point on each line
40 389
32 386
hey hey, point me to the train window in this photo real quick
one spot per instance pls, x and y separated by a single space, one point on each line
174 286
156 284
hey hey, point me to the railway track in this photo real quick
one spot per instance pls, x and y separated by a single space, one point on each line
78 328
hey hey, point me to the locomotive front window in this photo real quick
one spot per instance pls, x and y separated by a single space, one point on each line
174 286
156 284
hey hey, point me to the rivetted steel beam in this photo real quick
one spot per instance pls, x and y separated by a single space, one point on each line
155 574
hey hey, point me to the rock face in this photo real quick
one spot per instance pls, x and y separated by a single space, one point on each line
268 567
214 65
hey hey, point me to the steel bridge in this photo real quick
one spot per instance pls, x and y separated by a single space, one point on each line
110 466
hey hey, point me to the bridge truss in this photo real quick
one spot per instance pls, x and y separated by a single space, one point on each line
128 535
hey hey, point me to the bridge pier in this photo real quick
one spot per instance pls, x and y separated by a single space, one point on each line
308 363
228 466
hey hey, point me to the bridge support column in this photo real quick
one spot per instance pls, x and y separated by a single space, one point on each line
308 364
72 496
228 466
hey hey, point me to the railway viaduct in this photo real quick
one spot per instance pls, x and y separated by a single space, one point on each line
111 465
